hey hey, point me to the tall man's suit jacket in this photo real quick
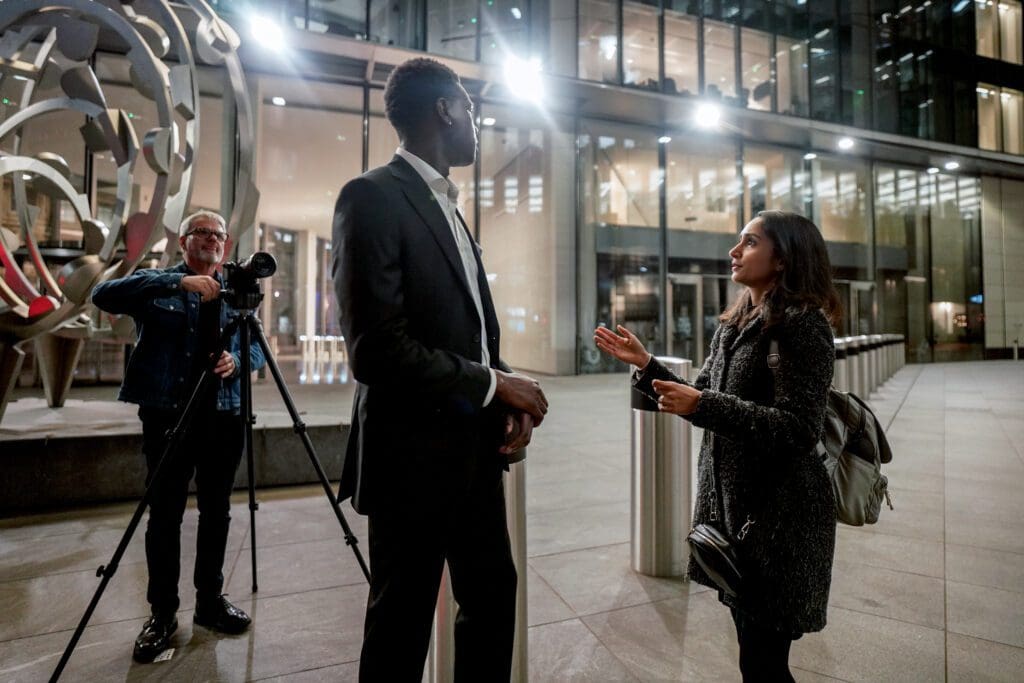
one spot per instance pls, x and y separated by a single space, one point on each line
413 337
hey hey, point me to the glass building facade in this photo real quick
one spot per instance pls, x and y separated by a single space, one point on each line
607 204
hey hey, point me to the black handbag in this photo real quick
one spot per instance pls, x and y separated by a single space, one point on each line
714 550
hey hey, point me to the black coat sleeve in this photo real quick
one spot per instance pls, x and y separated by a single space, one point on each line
643 379
795 417
368 282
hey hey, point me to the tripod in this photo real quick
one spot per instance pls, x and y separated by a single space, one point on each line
248 326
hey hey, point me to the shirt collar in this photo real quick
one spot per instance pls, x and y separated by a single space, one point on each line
434 180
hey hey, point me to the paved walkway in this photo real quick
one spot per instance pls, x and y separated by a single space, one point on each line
933 592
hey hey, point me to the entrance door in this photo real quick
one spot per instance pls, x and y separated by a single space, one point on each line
685 320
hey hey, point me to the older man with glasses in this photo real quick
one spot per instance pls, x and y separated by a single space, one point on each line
179 320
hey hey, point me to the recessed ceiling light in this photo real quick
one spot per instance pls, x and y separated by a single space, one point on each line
488 121
845 144
810 155
279 101
933 170
665 139
951 165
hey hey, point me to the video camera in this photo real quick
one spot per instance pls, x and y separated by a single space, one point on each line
241 286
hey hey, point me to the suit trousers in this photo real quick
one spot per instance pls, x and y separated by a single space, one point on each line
211 449
453 517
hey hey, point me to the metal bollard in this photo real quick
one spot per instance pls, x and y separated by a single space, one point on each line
660 484
864 344
839 373
440 665
876 361
853 360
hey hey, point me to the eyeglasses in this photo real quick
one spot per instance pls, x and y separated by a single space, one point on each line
205 233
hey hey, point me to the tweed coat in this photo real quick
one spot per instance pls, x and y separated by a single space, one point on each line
762 430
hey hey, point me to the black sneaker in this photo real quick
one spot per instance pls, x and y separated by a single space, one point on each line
154 638
220 615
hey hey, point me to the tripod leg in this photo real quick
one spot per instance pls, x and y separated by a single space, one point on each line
248 419
300 428
106 572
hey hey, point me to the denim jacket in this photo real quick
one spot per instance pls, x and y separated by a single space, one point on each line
165 322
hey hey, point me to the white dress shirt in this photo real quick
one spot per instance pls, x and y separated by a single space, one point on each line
447 194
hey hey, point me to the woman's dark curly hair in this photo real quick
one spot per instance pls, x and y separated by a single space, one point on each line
413 89
806 278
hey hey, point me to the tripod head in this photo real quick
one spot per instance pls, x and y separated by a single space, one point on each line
241 280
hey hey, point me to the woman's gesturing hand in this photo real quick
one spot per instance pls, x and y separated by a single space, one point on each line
676 398
624 346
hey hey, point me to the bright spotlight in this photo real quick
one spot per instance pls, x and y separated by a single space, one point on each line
845 144
267 32
488 121
810 156
707 115
933 170
951 165
523 78
516 13
279 101
665 139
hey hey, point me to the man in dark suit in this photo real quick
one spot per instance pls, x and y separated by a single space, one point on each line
436 412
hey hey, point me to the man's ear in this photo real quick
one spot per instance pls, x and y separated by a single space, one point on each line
444 111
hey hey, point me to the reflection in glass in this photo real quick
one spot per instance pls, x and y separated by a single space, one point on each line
640 45
598 41
681 54
397 22
338 17
791 72
504 30
1013 118
529 164
381 138
986 26
755 60
1009 31
775 180
702 192
989 117
619 280
452 28
841 189
719 60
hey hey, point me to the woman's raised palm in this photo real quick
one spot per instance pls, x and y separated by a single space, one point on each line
624 346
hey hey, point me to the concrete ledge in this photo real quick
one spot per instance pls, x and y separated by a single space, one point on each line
57 471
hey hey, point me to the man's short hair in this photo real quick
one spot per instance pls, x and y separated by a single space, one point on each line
186 225
412 90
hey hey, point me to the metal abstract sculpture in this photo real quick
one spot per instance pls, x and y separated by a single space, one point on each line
52 44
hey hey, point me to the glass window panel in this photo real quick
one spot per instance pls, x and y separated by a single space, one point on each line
791 72
702 192
681 54
1013 123
598 41
986 23
397 22
527 213
452 27
504 31
1009 31
989 117
755 60
823 63
619 244
308 149
841 211
640 45
774 180
562 38
338 17
757 14
719 60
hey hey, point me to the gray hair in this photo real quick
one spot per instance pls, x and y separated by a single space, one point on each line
186 224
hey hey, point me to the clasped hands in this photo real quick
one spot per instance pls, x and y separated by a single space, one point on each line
528 406
673 397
